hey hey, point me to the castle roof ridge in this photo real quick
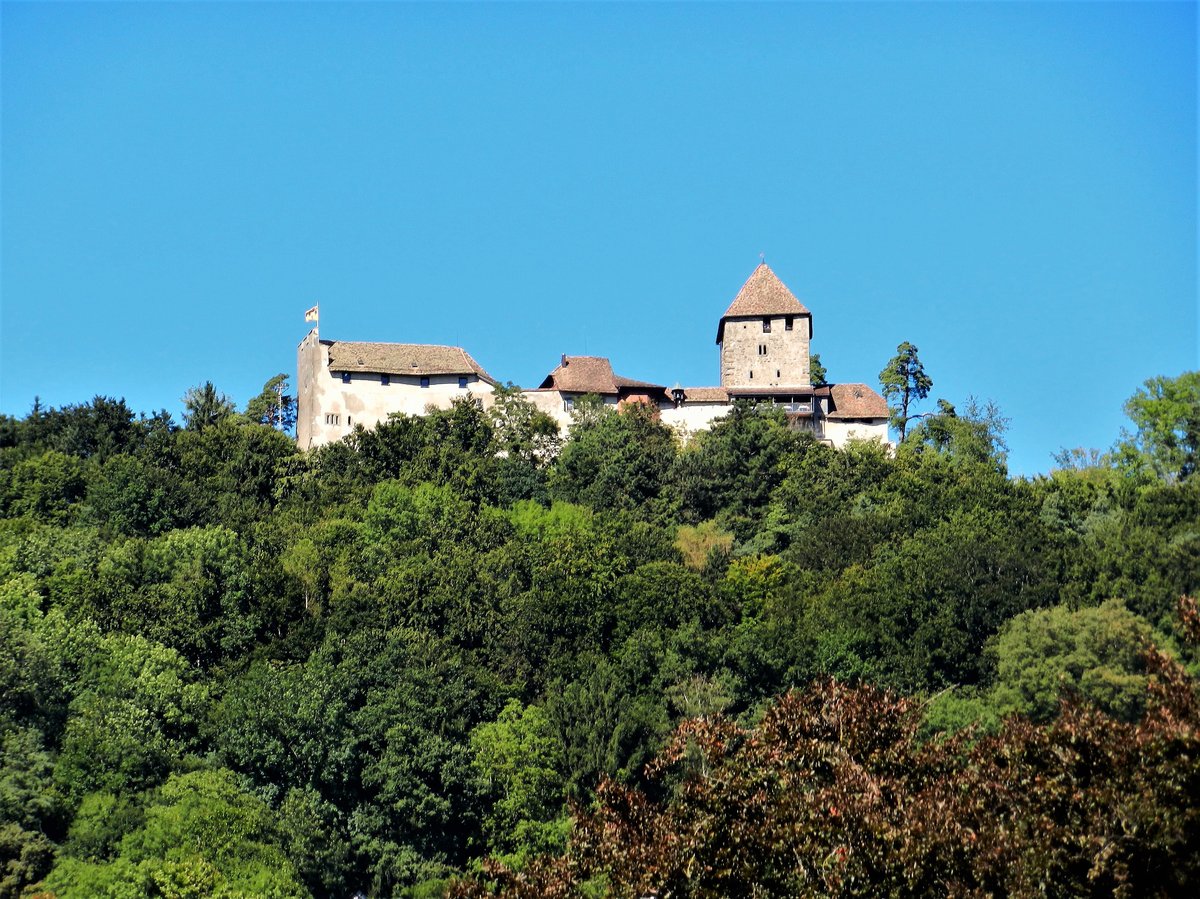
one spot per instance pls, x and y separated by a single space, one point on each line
762 294
421 359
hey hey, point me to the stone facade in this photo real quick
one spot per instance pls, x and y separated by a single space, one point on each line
766 351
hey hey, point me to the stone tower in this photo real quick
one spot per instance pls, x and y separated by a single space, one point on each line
764 335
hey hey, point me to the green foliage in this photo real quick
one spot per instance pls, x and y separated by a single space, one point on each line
974 436
205 406
904 382
1095 654
274 406
202 835
729 472
409 648
1166 415
46 487
615 460
519 765
816 371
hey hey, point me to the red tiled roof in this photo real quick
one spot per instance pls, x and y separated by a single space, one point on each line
762 294
705 395
591 374
856 401
403 359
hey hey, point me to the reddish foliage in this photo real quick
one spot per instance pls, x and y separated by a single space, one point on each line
833 794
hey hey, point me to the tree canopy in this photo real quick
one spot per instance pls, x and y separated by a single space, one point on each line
463 653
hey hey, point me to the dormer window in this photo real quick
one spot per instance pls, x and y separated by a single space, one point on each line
766 326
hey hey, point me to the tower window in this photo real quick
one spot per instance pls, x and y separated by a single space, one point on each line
345 377
751 375
332 418
777 373
787 323
766 326
462 381
385 380
425 382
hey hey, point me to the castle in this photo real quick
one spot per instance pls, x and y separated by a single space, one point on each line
764 338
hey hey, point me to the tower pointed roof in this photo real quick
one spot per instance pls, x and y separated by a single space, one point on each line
762 294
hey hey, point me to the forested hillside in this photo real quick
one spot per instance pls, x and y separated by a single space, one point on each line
744 665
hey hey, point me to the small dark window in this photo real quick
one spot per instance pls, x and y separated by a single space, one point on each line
766 326
349 421
424 382
751 376
787 323
385 380
777 373
462 381
345 377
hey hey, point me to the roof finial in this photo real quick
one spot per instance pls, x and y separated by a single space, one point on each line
762 258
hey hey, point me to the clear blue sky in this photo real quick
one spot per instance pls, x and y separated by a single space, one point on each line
1011 187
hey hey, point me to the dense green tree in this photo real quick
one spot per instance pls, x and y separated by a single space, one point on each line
904 382
274 406
204 406
816 371
48 487
730 471
520 765
409 647
1166 415
202 836
615 460
1097 654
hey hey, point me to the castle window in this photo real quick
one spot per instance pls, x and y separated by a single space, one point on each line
462 381
787 323
766 326
777 373
345 377
332 418
762 349
385 380
568 403
751 375
425 382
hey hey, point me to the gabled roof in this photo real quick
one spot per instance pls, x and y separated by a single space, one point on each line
403 359
590 374
762 294
856 401
705 395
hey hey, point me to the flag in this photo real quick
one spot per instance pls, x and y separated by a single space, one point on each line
311 314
